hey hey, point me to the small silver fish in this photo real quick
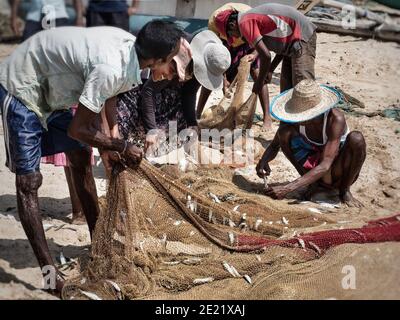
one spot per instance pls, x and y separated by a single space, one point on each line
257 224
191 261
231 238
247 278
171 263
203 280
62 259
115 285
90 295
302 243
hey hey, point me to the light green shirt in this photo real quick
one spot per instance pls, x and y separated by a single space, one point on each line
55 69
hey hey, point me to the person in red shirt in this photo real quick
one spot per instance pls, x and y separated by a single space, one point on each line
282 30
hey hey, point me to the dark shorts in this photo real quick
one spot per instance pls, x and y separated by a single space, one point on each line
306 154
26 141
301 66
113 19
32 27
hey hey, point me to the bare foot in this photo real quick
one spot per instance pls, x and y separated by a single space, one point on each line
78 218
267 125
348 199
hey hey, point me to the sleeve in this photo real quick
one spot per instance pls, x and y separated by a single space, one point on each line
147 104
250 31
189 96
102 83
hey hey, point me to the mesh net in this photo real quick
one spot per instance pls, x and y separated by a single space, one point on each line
234 110
159 234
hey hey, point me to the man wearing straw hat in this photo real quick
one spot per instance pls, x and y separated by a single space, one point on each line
315 138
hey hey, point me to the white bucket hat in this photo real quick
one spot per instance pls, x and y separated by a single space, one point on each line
304 102
210 59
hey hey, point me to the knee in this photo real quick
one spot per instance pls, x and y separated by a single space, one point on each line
29 183
79 158
356 140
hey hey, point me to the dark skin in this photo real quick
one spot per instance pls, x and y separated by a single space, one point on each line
338 168
92 129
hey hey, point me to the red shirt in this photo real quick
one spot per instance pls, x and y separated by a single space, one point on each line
278 25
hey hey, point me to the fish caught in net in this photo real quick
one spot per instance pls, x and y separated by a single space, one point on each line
159 234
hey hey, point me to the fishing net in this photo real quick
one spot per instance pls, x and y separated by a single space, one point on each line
160 234
234 111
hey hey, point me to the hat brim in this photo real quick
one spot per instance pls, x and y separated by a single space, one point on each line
205 78
330 97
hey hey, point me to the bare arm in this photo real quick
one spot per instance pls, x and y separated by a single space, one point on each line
265 59
14 17
87 127
79 13
335 128
133 8
204 95
270 154
111 114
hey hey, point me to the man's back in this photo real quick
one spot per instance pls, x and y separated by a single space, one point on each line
49 71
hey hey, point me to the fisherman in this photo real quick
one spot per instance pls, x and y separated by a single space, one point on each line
238 49
314 137
280 29
62 67
200 62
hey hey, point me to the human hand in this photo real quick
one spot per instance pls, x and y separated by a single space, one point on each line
132 10
132 156
277 192
15 26
151 141
79 22
263 169
251 57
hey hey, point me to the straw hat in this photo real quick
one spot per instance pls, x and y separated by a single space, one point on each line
210 59
305 101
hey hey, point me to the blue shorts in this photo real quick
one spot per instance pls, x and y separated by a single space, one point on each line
26 141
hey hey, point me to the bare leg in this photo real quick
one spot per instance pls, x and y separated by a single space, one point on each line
204 94
286 133
82 178
29 214
347 166
77 214
267 122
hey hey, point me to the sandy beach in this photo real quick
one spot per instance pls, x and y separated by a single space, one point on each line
369 70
